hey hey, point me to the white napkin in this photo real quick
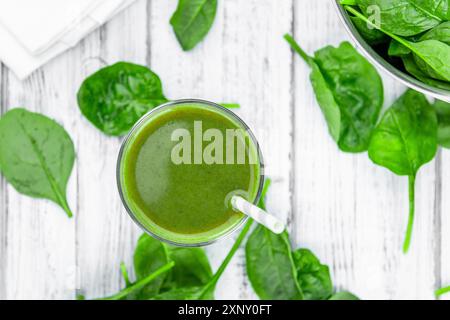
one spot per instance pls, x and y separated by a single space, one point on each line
32 32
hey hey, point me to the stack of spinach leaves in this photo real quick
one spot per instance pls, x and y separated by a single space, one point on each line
275 271
351 98
414 35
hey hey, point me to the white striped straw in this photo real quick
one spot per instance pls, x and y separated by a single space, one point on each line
270 222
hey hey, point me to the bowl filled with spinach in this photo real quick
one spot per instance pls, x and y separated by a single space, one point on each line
409 39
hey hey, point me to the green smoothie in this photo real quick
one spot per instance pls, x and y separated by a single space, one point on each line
177 172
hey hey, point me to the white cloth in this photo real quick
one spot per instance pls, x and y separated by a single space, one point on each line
32 32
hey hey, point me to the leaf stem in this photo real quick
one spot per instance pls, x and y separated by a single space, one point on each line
442 291
409 230
294 45
65 206
230 256
359 15
231 105
123 269
348 2
140 284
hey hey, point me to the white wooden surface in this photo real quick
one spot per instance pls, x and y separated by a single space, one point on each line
350 212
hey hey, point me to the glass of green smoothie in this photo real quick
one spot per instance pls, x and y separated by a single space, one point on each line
180 166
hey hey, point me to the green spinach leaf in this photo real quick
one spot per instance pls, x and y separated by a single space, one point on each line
431 56
442 291
192 21
443 114
36 156
277 273
396 49
405 140
400 17
192 268
413 69
313 277
190 293
350 96
441 33
186 268
138 286
150 254
115 97
373 36
437 8
270 266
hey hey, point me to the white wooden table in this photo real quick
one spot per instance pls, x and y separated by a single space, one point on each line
351 213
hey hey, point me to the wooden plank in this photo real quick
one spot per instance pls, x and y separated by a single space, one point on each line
242 60
443 224
39 237
105 234
350 212
3 194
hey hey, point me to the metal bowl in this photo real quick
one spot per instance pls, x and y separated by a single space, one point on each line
379 61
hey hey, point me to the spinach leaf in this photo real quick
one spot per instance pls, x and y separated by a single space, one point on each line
138 286
313 277
441 33
270 266
115 97
412 68
192 21
190 293
150 254
442 291
275 272
36 156
432 55
206 292
324 95
405 140
443 114
350 96
400 17
396 49
373 36
182 270
344 296
438 8
192 268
